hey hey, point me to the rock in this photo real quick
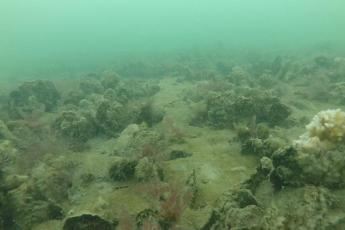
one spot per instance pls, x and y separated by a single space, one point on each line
139 141
294 168
324 62
33 96
237 210
110 79
277 113
90 86
148 170
89 222
113 117
308 207
253 146
267 81
8 154
147 219
150 114
261 147
276 65
74 128
243 133
123 170
262 174
244 198
226 108
286 170
73 97
192 185
176 154
14 181
127 135
5 133
262 131
7 208
87 178
266 165
30 207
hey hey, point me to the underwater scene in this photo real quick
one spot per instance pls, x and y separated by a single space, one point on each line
172 115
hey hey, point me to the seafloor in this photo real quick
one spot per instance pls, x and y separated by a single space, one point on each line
185 141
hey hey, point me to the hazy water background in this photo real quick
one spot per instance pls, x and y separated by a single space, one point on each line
77 34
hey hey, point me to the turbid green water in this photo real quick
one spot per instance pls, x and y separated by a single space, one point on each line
181 115
69 34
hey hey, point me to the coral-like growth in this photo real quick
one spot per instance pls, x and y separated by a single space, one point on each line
325 130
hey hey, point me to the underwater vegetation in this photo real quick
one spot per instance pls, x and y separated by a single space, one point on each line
313 173
194 141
